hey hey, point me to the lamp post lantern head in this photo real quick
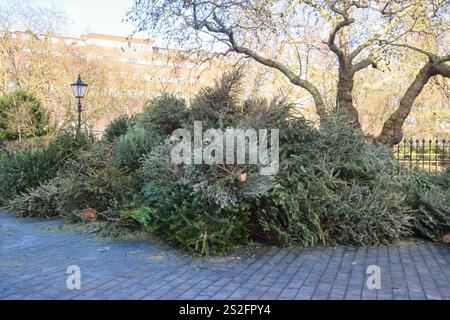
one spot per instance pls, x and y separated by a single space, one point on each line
79 88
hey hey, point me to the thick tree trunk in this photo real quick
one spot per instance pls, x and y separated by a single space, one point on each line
344 98
392 132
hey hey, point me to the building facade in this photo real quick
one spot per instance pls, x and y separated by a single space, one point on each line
122 73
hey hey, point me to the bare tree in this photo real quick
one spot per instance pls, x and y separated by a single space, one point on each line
23 16
358 33
31 59
224 26
392 132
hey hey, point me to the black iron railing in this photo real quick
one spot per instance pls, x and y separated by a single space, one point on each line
429 155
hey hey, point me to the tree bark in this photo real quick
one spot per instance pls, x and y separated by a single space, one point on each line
392 132
345 85
344 98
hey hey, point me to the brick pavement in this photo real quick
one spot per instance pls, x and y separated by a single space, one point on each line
34 257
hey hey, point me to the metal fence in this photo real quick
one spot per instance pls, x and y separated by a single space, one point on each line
429 155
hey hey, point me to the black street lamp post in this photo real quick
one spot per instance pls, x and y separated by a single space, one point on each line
79 91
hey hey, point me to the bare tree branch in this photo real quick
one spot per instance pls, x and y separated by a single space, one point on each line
332 38
291 75
392 132
364 64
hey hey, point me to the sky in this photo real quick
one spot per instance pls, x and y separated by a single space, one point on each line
98 16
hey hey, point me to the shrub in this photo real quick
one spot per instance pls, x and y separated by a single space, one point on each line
22 170
91 181
311 209
334 188
22 116
67 143
108 188
366 216
187 213
263 114
443 179
429 196
188 220
163 115
182 212
218 106
432 216
353 157
133 146
157 166
141 216
221 183
39 202
118 127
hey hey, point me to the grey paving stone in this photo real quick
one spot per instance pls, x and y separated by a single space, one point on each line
35 257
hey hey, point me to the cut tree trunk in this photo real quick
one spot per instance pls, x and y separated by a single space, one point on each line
446 238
